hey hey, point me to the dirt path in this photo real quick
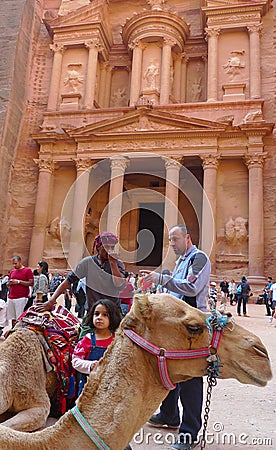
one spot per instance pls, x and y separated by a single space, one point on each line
242 416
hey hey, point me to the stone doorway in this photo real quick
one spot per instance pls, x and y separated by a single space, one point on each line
150 232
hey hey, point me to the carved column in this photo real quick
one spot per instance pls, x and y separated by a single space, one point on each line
255 60
165 72
177 78
255 163
118 166
58 50
171 207
210 165
212 83
136 71
185 60
103 86
107 86
81 187
46 168
94 47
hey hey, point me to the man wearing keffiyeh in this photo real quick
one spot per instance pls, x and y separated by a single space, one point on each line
104 273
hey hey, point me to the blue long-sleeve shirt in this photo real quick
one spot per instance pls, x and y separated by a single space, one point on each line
178 284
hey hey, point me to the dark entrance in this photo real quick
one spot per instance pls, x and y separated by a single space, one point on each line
151 225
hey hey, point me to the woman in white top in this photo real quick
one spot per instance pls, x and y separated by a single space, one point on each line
232 290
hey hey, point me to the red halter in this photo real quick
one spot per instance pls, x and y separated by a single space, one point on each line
162 353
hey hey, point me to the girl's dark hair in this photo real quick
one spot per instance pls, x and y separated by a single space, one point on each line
113 310
44 266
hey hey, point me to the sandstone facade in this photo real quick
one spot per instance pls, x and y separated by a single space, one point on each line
132 116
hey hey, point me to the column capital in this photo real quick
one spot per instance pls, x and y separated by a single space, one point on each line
210 161
212 32
119 163
172 162
255 28
169 41
185 57
83 164
136 43
255 160
45 165
57 47
94 44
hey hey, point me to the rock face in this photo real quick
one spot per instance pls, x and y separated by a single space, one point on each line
132 100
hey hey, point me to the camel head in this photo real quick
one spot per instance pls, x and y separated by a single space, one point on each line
170 323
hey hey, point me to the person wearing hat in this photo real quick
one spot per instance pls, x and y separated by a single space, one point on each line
104 273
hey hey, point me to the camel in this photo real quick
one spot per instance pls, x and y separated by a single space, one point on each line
125 389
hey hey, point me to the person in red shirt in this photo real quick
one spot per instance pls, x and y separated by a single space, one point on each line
20 280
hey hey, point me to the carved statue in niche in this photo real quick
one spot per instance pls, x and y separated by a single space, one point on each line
234 65
196 90
236 231
151 76
119 97
157 5
60 231
74 77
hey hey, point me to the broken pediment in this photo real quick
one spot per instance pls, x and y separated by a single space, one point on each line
146 121
96 12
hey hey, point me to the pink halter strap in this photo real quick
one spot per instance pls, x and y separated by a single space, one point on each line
163 354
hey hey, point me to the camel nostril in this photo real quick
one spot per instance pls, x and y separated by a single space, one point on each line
261 351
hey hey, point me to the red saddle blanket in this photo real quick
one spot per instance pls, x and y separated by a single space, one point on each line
60 330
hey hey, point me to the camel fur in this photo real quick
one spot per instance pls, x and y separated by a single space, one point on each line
125 389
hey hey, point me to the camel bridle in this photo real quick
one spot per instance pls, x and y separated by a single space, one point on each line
216 323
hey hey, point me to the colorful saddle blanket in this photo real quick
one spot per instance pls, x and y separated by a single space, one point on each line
60 330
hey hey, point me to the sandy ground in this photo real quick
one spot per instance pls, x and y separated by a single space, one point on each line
241 416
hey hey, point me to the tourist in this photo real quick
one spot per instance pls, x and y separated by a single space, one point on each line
190 282
104 272
103 319
273 302
41 283
242 296
266 292
224 291
3 315
20 280
232 290
213 295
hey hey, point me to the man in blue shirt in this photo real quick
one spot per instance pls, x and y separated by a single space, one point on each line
190 282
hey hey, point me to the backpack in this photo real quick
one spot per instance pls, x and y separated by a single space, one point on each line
239 289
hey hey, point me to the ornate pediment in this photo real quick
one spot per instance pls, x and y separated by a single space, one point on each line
93 12
146 121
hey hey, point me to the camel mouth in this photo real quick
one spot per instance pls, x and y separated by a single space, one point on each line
254 379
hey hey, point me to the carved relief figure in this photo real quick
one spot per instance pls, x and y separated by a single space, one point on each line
157 5
235 230
59 229
234 65
196 90
151 76
74 78
119 97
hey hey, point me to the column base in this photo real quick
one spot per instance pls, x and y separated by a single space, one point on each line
233 92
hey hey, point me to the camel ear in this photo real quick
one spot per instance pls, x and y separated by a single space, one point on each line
142 307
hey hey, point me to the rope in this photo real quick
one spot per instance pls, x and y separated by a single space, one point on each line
88 429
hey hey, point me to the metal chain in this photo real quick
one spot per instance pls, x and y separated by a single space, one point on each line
212 381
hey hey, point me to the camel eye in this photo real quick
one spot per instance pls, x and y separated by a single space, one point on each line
193 329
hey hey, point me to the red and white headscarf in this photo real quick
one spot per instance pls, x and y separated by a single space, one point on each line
104 238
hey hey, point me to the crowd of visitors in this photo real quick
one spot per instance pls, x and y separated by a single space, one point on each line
101 292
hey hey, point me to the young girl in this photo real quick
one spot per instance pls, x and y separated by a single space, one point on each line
103 319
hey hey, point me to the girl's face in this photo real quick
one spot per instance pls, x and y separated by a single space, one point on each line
101 318
39 269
